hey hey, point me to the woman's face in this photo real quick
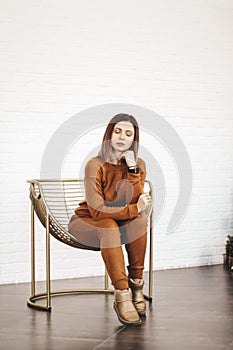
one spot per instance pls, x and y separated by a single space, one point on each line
122 136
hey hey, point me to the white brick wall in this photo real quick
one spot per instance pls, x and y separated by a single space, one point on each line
61 57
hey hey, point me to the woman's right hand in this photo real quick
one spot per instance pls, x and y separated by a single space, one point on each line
144 201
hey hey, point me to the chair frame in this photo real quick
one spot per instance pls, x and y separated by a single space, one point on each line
31 301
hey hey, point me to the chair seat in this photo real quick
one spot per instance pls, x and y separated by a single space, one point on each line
59 198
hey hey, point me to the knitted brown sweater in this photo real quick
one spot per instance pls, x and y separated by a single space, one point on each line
111 191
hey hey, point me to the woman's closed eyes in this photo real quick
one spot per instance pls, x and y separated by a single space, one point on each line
128 133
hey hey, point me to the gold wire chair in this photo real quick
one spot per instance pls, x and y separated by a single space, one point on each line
54 201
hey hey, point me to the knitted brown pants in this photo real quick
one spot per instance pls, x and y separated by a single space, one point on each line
109 235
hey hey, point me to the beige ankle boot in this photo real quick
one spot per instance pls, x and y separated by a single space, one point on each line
124 307
138 298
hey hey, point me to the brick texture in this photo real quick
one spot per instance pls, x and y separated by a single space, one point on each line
61 57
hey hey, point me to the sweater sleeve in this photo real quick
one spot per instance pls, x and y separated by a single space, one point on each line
95 199
138 180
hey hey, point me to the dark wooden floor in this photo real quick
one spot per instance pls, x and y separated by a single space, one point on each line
192 310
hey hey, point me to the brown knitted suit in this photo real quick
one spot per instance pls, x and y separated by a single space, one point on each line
109 217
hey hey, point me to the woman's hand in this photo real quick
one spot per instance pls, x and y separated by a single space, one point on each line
144 201
129 158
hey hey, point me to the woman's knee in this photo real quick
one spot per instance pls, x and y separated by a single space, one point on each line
107 223
135 229
109 234
139 224
142 219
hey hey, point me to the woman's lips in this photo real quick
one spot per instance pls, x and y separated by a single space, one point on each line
120 144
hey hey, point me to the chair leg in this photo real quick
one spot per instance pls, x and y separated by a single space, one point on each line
33 297
149 296
48 283
106 280
32 250
151 260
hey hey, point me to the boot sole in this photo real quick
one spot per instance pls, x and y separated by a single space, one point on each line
126 323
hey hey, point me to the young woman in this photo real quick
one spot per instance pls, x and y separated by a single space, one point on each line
114 214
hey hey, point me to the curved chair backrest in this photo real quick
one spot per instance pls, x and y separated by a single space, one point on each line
58 198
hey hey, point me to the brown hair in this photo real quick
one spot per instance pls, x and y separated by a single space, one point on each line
106 151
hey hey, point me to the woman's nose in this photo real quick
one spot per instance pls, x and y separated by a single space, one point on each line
122 135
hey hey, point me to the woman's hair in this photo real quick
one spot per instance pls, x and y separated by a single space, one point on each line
106 151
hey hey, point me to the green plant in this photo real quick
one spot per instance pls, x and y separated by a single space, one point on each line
229 252
229 246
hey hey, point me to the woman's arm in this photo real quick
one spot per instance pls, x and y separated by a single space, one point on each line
94 195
